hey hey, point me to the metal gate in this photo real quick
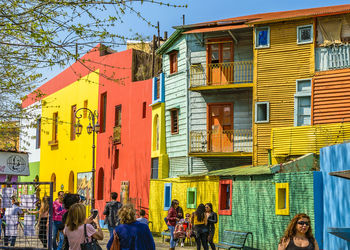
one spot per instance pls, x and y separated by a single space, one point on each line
20 225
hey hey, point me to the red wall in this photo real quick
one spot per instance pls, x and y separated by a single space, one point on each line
135 146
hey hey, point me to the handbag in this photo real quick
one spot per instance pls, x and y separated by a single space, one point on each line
116 242
89 245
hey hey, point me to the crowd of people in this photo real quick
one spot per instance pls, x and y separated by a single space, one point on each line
72 229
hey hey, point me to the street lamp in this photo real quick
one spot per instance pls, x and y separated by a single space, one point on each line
91 128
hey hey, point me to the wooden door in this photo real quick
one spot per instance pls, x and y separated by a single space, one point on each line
220 63
220 127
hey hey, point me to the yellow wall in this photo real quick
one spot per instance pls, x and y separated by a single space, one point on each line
277 69
67 156
207 191
159 110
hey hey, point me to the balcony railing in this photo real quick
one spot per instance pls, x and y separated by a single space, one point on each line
221 73
333 57
117 134
224 141
307 139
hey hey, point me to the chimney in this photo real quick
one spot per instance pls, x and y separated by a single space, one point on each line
165 36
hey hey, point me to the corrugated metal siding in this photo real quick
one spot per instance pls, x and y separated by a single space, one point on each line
205 164
278 68
175 97
177 166
331 97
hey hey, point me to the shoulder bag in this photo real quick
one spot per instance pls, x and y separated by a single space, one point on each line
115 243
89 245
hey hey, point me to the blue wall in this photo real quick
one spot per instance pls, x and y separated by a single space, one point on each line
336 194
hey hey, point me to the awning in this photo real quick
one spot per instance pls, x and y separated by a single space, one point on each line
342 174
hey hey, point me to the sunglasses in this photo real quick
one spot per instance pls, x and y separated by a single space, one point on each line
302 223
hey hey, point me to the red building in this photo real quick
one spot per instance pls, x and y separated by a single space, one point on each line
124 141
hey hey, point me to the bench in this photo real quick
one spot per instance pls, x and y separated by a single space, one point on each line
166 233
233 240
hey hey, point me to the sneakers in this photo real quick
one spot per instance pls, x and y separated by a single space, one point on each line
182 244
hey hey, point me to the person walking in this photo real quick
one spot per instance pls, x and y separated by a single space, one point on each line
76 224
132 234
199 222
212 219
111 213
171 221
142 217
298 235
58 211
43 220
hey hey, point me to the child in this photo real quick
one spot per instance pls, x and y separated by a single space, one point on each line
180 232
142 218
188 226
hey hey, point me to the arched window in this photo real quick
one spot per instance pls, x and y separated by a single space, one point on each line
53 179
71 182
100 184
156 133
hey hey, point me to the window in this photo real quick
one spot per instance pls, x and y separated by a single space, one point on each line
262 37
116 159
302 103
72 122
158 89
71 182
103 114
174 116
38 133
155 145
85 110
173 61
191 197
54 128
118 116
154 168
100 184
167 196
225 198
144 109
262 112
305 34
282 198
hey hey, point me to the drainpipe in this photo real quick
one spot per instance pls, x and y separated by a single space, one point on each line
188 58
270 157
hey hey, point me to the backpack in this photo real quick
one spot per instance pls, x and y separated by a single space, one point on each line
113 213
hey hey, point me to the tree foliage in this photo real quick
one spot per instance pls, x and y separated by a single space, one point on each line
36 34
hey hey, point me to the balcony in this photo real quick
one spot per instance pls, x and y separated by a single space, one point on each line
117 134
222 75
333 57
221 142
307 139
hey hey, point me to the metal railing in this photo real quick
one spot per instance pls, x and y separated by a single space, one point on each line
333 57
221 73
207 141
307 139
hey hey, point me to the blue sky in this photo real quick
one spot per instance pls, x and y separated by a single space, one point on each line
197 11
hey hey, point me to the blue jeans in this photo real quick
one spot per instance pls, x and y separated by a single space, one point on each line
110 229
56 224
172 242
12 240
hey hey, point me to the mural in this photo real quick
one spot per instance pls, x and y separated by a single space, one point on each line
84 183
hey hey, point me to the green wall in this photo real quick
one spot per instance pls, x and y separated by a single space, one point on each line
34 168
253 206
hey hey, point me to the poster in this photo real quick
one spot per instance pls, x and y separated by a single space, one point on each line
7 194
11 225
28 201
84 184
29 225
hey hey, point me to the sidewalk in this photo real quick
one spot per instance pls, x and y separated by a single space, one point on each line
158 240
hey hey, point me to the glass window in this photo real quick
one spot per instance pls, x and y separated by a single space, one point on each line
262 112
173 61
305 34
174 115
154 168
262 37
302 103
167 196
103 112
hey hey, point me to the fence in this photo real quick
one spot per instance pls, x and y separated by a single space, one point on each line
333 57
20 204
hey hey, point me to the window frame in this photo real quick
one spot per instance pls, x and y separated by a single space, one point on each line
286 210
173 62
256 37
299 94
194 204
221 210
172 124
311 34
167 206
73 121
103 112
267 112
153 177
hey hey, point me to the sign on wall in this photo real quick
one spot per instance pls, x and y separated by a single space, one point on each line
84 184
14 164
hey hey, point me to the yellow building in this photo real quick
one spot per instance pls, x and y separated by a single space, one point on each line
189 191
63 153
